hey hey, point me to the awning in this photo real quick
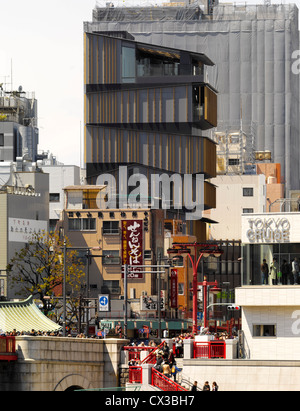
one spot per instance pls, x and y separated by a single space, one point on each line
24 316
137 324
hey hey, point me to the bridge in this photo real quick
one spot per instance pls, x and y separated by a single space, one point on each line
41 363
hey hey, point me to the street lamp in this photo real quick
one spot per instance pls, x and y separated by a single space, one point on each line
88 256
214 290
185 249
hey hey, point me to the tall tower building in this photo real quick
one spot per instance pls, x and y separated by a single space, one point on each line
146 108
252 47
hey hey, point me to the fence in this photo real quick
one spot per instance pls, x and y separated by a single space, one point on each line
134 353
210 349
164 383
8 348
135 375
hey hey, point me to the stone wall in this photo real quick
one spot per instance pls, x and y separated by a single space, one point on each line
58 364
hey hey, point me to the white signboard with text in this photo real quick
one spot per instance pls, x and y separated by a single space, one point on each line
271 228
21 229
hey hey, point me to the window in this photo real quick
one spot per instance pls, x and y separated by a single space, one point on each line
110 227
74 224
128 64
233 161
1 140
248 210
178 261
248 192
147 254
111 287
79 224
264 330
54 197
180 288
89 224
111 257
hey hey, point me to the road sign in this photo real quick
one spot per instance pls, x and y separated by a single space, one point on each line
103 302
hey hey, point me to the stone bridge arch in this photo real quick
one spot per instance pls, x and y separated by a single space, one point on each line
73 382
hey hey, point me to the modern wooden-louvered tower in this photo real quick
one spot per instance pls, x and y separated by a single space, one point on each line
146 107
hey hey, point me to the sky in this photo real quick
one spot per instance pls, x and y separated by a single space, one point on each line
41 49
42 46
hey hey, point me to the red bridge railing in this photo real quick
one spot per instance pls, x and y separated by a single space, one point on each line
8 349
210 349
164 383
135 374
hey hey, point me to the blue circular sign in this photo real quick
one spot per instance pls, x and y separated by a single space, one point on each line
103 300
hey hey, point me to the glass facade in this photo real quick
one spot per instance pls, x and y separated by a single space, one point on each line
254 254
270 236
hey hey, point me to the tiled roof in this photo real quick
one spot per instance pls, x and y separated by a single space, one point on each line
24 316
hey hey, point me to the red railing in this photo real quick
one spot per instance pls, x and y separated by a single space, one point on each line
151 358
210 349
135 375
8 348
164 383
134 353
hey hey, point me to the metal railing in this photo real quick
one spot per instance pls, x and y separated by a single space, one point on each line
164 383
134 353
210 349
8 348
135 374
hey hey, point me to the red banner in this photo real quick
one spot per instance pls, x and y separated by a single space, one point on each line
132 247
174 288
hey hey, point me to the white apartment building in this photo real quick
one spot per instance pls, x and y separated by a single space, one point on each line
236 194
60 176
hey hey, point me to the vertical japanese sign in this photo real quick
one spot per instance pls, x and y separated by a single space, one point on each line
174 288
132 247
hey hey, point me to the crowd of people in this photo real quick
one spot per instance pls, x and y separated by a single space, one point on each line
284 273
165 362
35 333
166 357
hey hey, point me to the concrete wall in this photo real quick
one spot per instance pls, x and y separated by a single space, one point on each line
57 364
271 305
245 375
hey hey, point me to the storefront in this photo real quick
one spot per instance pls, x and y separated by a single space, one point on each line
146 329
268 236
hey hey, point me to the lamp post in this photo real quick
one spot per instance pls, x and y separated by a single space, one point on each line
215 289
88 256
185 249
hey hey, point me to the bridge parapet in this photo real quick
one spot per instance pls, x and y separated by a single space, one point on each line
61 363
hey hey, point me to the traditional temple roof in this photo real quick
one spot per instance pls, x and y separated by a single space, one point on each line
24 316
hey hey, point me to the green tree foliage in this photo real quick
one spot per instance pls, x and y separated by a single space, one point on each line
38 268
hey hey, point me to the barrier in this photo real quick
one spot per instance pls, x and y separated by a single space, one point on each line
210 349
135 375
8 348
164 383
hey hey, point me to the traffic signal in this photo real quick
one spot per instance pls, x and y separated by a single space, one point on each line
233 307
